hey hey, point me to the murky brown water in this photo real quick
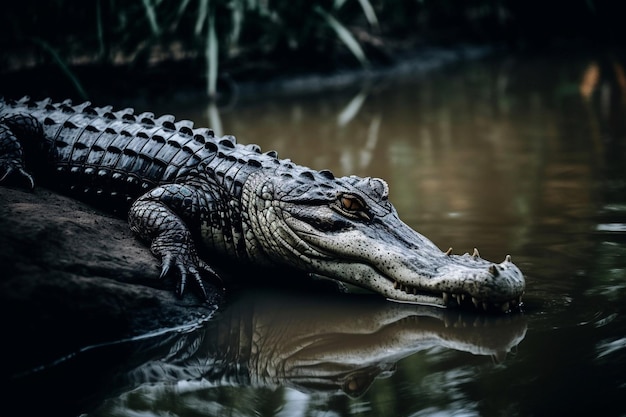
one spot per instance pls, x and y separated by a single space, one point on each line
518 156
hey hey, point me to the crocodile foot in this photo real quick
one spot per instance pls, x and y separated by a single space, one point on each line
178 256
13 168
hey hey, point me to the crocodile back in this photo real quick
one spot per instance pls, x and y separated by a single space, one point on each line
93 151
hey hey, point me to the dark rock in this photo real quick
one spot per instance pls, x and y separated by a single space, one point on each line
72 277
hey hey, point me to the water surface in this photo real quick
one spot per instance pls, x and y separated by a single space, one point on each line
513 156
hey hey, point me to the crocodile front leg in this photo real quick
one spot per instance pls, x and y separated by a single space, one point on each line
157 217
12 129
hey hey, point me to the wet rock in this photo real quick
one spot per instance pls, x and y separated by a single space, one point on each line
72 277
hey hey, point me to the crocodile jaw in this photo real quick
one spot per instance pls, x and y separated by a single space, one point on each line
404 266
460 283
450 281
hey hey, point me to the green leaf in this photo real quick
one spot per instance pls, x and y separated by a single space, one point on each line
203 10
151 14
211 55
369 12
63 66
338 3
345 36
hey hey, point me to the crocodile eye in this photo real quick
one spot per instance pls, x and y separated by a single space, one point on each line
353 206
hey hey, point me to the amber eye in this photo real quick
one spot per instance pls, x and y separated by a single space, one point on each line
351 204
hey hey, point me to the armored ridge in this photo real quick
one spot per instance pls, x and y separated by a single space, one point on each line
119 155
184 188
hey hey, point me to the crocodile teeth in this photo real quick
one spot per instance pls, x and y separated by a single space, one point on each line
493 270
396 285
486 306
507 258
476 255
449 252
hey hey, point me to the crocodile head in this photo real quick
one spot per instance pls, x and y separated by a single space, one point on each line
346 229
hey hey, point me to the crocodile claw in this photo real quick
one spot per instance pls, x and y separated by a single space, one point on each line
12 167
190 267
196 275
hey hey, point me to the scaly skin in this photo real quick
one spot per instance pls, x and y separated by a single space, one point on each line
189 193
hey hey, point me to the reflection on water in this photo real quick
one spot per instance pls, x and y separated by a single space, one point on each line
310 347
518 156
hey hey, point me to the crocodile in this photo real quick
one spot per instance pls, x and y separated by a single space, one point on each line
201 200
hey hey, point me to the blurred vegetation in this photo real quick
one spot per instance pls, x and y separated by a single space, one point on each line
213 40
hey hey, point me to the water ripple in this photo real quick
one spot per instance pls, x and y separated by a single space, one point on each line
606 348
611 227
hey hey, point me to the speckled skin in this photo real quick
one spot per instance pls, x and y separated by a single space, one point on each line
188 192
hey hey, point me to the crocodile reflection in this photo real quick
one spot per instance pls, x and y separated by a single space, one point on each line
332 343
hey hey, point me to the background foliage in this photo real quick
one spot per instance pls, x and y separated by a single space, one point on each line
261 38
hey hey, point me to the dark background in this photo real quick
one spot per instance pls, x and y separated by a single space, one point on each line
108 48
